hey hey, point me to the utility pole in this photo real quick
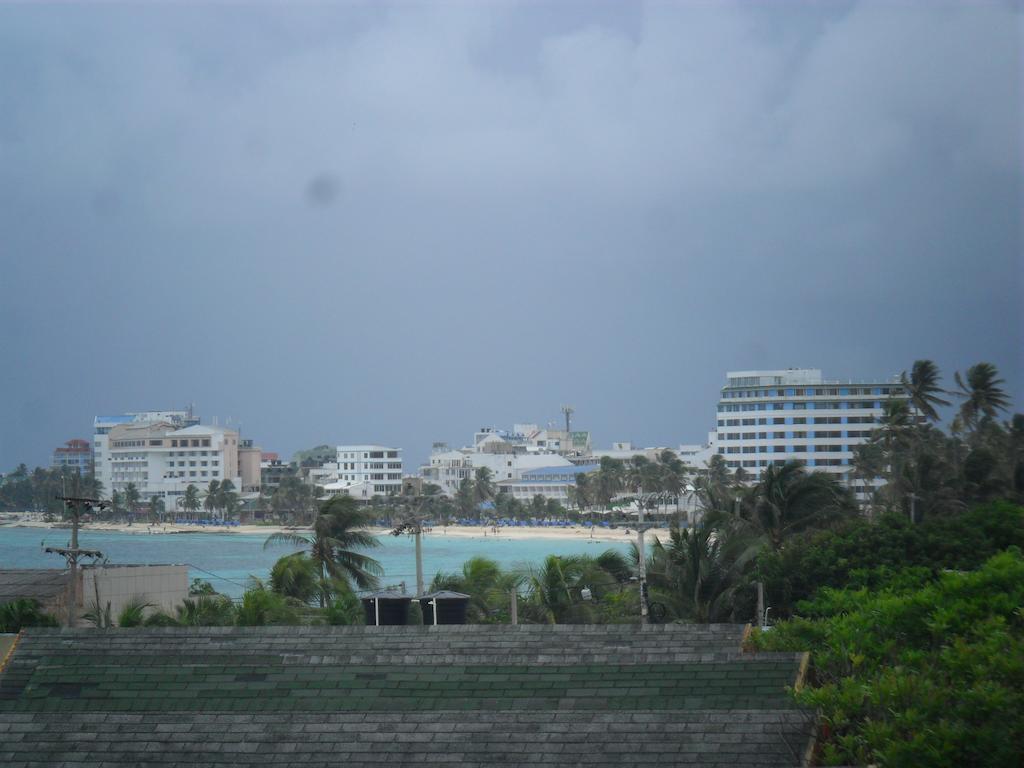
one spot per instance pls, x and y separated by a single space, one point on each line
75 504
414 524
913 508
418 533
760 604
641 554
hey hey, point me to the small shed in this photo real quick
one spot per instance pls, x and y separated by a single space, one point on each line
386 609
444 607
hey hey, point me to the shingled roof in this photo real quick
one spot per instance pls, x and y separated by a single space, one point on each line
32 583
446 695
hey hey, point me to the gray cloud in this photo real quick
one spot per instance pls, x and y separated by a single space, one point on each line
398 223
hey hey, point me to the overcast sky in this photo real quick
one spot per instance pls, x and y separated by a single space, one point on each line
359 223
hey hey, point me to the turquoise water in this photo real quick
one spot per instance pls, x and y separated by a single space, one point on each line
232 558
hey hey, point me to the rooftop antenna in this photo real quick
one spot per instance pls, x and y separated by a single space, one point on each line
568 411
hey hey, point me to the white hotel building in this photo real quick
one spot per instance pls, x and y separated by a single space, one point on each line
361 470
101 458
771 417
162 460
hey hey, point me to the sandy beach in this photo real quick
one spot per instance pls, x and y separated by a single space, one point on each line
459 531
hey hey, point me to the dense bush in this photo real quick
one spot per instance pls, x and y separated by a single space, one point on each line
23 613
857 549
917 672
261 606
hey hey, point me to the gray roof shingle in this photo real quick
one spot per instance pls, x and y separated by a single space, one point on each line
448 695
32 583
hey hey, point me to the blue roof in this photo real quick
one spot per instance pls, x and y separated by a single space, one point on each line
549 471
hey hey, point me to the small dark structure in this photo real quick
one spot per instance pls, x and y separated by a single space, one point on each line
444 607
387 609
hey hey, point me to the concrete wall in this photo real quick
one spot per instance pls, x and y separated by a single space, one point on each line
163 586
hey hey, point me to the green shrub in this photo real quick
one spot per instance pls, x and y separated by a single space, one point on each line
261 606
907 674
855 551
17 614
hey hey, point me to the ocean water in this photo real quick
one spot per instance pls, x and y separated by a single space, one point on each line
227 560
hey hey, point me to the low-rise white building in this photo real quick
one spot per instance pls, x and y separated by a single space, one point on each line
551 482
361 470
449 468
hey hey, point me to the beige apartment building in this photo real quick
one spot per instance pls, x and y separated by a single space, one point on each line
163 460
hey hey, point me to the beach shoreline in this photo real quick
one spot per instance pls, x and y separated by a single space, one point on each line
577 532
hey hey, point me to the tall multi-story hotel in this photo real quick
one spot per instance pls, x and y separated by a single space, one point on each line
771 417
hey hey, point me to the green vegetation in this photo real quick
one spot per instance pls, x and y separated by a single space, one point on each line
915 671
332 559
23 613
912 604
37 490
856 551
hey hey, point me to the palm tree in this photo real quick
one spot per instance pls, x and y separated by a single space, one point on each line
923 388
131 498
295 497
227 498
337 530
698 573
893 435
483 485
639 475
582 491
297 576
465 497
23 612
609 480
206 611
487 585
672 478
714 488
983 393
788 500
212 500
156 507
190 500
554 590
